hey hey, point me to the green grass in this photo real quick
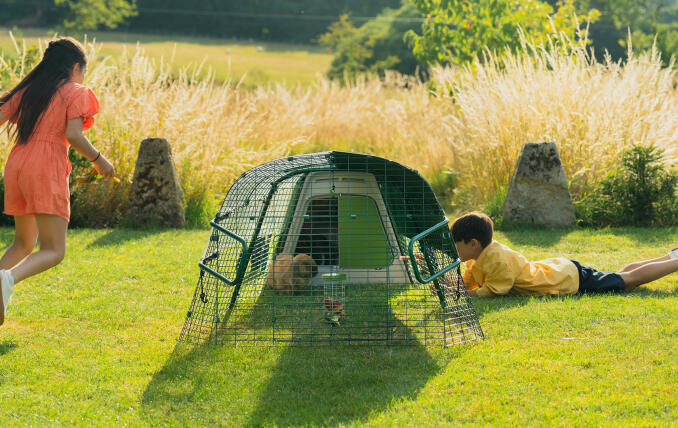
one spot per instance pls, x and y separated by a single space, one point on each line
255 62
92 342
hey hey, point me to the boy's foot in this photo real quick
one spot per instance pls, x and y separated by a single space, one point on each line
6 289
674 253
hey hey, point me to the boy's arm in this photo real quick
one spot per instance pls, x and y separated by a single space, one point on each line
467 275
498 281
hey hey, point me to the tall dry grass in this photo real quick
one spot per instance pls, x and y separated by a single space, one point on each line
473 123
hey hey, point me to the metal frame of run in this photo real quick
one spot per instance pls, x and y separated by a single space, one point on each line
331 247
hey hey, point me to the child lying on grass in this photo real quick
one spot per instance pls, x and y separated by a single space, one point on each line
493 269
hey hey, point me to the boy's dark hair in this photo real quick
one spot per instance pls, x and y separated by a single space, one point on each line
42 83
473 226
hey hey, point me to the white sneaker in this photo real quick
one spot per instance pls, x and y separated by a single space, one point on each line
7 288
674 253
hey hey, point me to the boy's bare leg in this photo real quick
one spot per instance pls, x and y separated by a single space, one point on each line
636 265
648 272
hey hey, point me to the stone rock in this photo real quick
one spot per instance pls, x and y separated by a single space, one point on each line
538 192
155 197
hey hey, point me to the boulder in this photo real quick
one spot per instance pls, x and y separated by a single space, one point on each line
538 192
155 197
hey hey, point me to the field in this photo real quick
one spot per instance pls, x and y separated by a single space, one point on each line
93 344
255 63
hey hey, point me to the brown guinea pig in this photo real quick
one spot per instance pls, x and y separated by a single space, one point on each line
288 274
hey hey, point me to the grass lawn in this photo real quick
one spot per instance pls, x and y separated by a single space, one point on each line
92 342
259 62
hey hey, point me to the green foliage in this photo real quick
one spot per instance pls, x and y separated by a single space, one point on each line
14 67
494 206
644 19
199 208
375 47
338 33
5 220
200 204
100 203
70 16
458 31
640 193
299 21
444 184
664 38
86 15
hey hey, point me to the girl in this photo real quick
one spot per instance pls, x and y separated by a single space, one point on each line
47 110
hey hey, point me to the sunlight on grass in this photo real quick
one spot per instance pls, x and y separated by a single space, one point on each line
92 342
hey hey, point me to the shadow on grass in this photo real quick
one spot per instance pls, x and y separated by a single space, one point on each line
288 385
647 235
122 236
538 236
6 347
340 385
654 294
487 305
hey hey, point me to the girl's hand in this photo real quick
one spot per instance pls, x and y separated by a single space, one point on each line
104 167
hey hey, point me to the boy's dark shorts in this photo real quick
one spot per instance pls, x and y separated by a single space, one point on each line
595 281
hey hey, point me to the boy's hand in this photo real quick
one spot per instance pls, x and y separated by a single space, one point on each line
473 293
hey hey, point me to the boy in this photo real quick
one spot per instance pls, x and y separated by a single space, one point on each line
494 269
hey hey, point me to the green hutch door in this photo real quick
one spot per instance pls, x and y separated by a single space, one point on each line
362 239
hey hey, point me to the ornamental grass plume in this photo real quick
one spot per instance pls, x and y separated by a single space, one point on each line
468 122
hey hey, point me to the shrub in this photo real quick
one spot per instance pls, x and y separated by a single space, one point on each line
495 205
444 184
642 192
99 203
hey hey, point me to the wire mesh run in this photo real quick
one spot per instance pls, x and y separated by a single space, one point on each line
330 248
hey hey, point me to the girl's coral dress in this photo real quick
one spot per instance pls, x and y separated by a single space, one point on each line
36 173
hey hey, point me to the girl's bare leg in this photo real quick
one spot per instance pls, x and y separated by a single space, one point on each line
25 237
636 265
52 232
649 272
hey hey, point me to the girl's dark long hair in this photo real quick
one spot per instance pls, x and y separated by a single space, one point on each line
42 83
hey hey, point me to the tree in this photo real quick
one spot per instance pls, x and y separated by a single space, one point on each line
86 15
644 19
376 46
457 31
68 15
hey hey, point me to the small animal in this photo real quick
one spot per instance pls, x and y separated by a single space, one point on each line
289 274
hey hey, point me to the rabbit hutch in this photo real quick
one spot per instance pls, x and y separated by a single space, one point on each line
330 247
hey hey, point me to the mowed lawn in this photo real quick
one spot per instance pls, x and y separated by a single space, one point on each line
93 343
256 63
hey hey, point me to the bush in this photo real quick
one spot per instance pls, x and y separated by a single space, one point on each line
642 192
99 203
444 184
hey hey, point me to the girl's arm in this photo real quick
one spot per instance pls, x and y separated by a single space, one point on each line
82 145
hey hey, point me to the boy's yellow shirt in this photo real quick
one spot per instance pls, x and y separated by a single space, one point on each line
500 270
